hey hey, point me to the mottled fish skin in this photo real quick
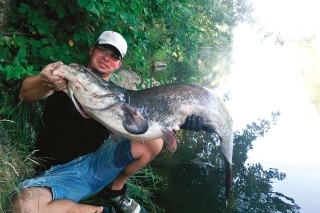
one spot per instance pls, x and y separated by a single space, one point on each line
149 113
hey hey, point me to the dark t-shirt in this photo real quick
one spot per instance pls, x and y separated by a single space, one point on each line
65 134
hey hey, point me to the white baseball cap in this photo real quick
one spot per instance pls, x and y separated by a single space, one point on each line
114 39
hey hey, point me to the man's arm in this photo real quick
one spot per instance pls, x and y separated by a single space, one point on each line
35 88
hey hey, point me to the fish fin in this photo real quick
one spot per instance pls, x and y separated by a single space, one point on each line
170 139
228 178
132 120
113 135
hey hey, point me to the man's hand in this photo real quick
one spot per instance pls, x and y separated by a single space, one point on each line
53 82
192 123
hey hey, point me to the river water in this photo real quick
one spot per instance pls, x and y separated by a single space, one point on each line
276 162
267 78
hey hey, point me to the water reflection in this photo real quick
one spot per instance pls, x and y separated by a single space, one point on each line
195 173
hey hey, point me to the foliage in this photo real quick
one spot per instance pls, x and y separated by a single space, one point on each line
155 30
189 26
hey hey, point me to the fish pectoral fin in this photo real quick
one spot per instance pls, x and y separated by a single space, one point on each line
132 120
170 139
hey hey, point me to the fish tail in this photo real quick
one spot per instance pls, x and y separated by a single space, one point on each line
228 178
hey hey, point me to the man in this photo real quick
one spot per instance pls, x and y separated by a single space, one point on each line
77 160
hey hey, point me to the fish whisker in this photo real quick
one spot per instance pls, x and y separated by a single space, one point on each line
103 82
62 77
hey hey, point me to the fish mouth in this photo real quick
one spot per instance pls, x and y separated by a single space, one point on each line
79 107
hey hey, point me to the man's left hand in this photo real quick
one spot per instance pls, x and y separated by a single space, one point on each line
192 123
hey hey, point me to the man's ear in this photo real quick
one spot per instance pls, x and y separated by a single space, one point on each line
119 65
91 50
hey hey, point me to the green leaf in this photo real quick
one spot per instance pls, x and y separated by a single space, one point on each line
91 7
21 41
123 4
46 41
52 3
24 61
72 6
23 8
18 71
65 50
42 29
16 61
145 11
61 10
82 2
133 5
34 72
77 37
8 71
29 68
22 53
9 76
14 19
117 2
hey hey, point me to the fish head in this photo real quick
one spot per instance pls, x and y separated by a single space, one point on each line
87 90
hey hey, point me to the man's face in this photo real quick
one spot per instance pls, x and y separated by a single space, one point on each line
104 60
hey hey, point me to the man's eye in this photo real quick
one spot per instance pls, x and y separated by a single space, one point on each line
115 56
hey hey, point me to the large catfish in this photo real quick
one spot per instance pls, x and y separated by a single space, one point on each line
149 113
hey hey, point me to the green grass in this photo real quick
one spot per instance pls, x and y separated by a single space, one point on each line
140 187
15 165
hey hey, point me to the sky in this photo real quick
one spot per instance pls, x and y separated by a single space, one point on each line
267 77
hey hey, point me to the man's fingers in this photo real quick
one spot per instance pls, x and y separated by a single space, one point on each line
58 86
199 123
53 82
193 123
187 123
52 66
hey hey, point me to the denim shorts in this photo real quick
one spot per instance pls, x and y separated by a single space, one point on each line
85 175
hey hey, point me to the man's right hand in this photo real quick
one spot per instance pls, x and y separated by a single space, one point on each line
53 82
35 88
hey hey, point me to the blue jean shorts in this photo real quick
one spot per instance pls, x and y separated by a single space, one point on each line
85 175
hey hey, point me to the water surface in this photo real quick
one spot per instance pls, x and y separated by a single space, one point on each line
276 164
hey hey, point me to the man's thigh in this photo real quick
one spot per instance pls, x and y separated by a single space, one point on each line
33 199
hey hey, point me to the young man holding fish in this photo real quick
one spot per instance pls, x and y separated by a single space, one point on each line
78 158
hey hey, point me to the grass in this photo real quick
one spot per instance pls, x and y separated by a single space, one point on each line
15 165
140 187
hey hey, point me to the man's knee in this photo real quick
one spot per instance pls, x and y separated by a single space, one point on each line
31 199
147 149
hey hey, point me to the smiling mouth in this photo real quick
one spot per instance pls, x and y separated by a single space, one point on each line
103 64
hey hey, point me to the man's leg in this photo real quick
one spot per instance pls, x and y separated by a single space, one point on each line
143 152
39 199
116 192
